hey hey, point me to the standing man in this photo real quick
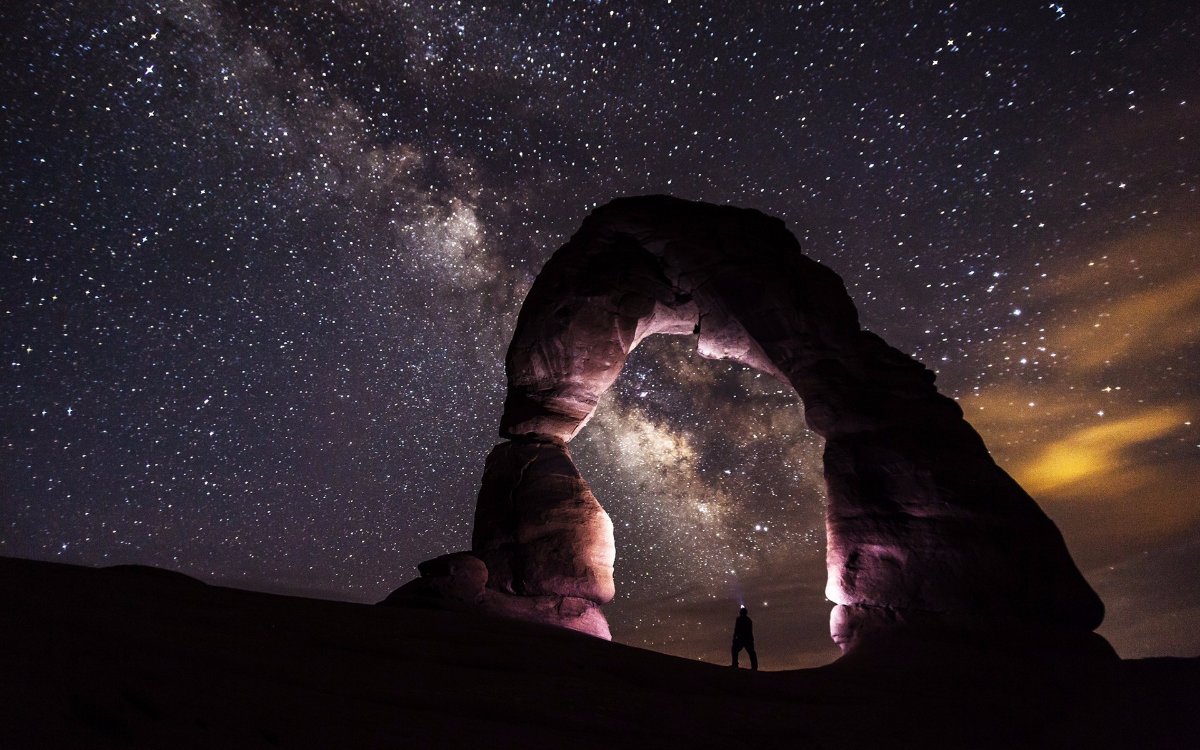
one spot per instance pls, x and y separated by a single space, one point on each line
743 638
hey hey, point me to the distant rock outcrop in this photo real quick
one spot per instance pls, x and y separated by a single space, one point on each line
923 527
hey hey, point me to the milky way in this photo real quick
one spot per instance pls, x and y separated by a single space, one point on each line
260 266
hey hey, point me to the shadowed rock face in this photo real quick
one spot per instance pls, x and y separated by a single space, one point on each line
923 527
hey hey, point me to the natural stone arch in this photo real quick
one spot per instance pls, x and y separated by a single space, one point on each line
923 528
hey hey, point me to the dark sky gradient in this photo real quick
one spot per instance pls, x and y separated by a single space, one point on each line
260 267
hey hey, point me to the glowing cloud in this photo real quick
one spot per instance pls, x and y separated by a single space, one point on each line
1138 296
1099 425
1143 323
1095 451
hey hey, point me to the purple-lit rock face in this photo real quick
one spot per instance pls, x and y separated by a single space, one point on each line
538 527
458 581
922 524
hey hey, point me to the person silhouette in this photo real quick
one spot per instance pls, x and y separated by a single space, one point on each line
743 638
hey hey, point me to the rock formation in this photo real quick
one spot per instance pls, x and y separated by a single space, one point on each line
924 529
538 527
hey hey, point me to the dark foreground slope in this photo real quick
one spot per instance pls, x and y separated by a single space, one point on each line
138 657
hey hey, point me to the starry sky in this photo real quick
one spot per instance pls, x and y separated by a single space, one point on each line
261 262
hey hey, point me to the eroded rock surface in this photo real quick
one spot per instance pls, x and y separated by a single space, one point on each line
922 524
539 528
458 581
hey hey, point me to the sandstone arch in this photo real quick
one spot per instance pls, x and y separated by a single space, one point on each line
923 527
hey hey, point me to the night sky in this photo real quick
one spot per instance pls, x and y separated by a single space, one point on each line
260 267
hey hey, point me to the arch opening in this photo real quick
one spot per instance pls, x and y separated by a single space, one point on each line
714 486
923 529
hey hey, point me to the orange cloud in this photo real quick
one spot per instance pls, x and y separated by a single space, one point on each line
1099 428
1136 297
1095 452
1145 323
